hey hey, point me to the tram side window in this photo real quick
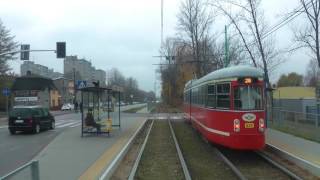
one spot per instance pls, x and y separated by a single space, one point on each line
211 100
223 95
203 95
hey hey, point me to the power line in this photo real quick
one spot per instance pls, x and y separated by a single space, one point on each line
286 20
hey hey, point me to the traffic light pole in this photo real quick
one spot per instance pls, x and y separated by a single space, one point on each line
35 50
7 105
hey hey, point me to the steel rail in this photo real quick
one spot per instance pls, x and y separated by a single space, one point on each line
137 161
182 161
116 161
277 165
231 165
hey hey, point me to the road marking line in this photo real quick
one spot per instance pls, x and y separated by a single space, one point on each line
76 125
3 127
61 123
64 125
175 117
65 121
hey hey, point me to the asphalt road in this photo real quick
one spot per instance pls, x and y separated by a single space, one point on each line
16 150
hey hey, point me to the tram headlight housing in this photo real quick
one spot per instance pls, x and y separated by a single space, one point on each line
236 125
261 125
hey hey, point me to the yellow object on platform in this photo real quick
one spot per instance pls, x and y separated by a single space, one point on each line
106 125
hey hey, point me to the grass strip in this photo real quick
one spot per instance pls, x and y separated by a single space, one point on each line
308 134
160 159
202 161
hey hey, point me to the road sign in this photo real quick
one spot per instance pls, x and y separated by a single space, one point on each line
81 84
24 55
6 91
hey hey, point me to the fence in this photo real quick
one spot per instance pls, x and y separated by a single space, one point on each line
301 124
20 172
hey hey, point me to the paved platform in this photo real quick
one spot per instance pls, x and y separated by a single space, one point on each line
70 156
302 148
143 110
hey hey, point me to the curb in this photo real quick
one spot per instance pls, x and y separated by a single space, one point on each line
311 167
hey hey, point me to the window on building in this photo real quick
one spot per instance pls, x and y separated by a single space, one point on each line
223 95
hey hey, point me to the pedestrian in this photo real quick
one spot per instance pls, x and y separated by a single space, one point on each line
76 106
89 120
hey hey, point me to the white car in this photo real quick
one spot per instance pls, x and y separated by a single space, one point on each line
67 106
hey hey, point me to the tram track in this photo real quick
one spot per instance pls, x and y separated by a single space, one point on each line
154 154
249 164
153 162
254 165
168 148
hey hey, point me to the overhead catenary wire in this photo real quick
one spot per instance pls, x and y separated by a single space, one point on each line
288 19
296 12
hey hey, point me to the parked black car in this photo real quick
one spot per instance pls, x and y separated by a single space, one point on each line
30 118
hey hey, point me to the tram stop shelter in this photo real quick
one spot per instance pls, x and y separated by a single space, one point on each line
99 113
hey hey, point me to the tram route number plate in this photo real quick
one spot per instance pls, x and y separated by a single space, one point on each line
249 125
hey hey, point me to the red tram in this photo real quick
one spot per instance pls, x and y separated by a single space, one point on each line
227 107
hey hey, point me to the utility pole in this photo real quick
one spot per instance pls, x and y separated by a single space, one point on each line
7 107
161 23
74 85
226 48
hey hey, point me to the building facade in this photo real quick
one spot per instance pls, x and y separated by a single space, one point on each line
81 69
65 88
38 70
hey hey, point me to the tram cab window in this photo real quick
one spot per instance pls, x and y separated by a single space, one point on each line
223 95
211 99
248 98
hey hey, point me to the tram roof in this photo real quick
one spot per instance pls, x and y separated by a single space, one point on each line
230 72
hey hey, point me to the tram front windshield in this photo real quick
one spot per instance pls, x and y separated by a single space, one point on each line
248 98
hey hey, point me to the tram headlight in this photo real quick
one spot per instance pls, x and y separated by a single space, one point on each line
236 125
261 125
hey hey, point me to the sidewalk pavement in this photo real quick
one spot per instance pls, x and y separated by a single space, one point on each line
70 156
302 148
3 121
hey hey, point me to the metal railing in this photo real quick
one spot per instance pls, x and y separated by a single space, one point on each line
280 115
34 168
305 125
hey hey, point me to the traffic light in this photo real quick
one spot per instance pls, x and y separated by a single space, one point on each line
24 54
61 49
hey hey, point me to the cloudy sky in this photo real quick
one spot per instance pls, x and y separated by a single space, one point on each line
124 34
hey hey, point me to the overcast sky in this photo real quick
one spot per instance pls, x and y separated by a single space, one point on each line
124 34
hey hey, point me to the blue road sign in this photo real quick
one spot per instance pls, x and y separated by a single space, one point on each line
6 91
81 84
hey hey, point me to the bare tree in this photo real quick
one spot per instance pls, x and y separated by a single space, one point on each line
312 75
194 23
7 44
252 29
308 36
